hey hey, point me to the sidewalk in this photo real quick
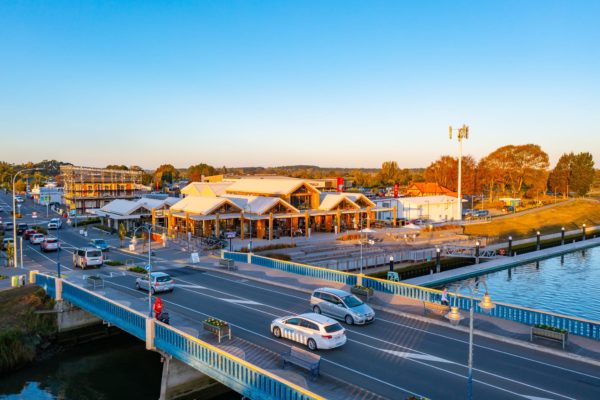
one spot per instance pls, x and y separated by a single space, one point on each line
580 348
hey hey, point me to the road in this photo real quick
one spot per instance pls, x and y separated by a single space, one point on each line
393 357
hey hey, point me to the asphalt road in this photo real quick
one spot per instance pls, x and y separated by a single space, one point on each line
393 357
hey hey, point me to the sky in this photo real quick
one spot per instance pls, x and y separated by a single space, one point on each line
270 83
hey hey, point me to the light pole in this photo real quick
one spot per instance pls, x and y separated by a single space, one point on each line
250 223
149 230
463 133
14 211
455 317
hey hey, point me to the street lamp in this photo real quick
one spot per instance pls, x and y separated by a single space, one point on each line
250 223
454 316
14 211
147 228
463 133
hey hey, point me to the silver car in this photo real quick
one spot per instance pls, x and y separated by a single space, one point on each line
160 282
341 305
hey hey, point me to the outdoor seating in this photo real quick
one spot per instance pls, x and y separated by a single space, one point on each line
435 308
303 359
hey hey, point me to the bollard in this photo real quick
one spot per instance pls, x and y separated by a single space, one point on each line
477 252
32 275
510 246
562 236
538 241
583 232
438 263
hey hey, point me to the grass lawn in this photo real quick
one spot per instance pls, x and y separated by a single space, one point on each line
571 215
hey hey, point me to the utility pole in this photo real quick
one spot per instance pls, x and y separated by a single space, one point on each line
463 133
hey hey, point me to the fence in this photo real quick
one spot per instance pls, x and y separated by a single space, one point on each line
241 376
576 326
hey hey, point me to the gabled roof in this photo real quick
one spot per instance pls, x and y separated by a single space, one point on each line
121 207
202 204
357 197
269 186
332 200
205 188
428 188
259 204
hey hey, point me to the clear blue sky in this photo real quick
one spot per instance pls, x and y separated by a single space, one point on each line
332 83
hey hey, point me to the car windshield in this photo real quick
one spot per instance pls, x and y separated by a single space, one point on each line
163 278
94 253
333 328
352 301
52 240
100 241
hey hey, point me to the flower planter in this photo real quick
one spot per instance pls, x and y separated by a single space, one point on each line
217 327
551 334
362 291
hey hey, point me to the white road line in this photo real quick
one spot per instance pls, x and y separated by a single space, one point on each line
425 331
187 286
50 259
248 302
284 344
424 357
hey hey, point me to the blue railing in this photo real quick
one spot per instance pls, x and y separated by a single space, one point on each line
48 283
240 257
235 373
574 325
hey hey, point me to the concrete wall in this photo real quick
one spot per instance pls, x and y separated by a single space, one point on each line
180 381
69 317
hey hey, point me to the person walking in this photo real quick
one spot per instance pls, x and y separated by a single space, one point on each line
445 297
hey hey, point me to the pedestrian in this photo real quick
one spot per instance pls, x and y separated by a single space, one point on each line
445 297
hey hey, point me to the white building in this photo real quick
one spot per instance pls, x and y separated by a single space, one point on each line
435 208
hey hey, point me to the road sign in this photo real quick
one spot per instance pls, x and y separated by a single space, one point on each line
230 235
148 267
34 214
195 258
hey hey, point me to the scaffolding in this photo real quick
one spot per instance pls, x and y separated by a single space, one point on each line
90 188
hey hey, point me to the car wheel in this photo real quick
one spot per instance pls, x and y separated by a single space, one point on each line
83 266
277 332
137 285
317 310
311 344
349 320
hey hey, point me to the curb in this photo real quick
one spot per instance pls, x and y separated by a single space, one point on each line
487 335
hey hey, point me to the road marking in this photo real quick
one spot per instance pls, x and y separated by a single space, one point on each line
536 398
189 286
236 301
48 258
417 356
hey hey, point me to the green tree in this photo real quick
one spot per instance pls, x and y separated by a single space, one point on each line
582 173
560 176
122 233
391 173
195 172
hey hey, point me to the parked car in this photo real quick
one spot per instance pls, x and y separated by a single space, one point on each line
21 228
50 244
481 213
55 223
312 330
6 241
87 257
508 209
100 244
36 238
159 282
28 233
8 226
19 199
341 305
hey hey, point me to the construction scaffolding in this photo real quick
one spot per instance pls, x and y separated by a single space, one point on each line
88 188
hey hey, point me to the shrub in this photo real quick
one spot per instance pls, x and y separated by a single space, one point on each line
137 269
113 263
550 328
88 221
279 256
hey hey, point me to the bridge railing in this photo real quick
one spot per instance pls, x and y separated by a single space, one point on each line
528 316
243 377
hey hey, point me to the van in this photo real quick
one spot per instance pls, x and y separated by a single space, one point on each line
87 257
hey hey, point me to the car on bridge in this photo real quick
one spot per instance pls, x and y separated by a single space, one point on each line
50 244
341 305
100 244
160 282
313 330
36 238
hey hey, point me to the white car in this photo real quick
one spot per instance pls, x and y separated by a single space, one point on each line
18 199
50 244
312 330
55 223
36 238
161 282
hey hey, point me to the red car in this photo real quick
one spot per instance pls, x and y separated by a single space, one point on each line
28 233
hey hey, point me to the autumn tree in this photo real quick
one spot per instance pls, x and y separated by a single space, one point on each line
582 173
558 180
166 173
444 172
195 172
391 173
520 168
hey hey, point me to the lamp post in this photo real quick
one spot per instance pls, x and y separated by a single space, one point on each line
438 265
250 223
562 236
477 244
455 317
14 211
510 246
463 133
149 230
583 232
538 245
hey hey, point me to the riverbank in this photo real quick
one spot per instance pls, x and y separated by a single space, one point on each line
24 332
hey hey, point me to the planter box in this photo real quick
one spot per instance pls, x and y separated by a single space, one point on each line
551 335
219 331
367 292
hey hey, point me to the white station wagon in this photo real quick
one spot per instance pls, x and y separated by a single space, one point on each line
312 330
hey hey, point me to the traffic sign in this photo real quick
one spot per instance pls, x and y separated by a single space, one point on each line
34 214
148 267
230 235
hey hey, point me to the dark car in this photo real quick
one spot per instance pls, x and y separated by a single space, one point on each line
28 233
21 228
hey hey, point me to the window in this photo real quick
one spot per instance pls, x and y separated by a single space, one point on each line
163 278
352 301
310 325
317 295
333 328
293 321
327 297
94 253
